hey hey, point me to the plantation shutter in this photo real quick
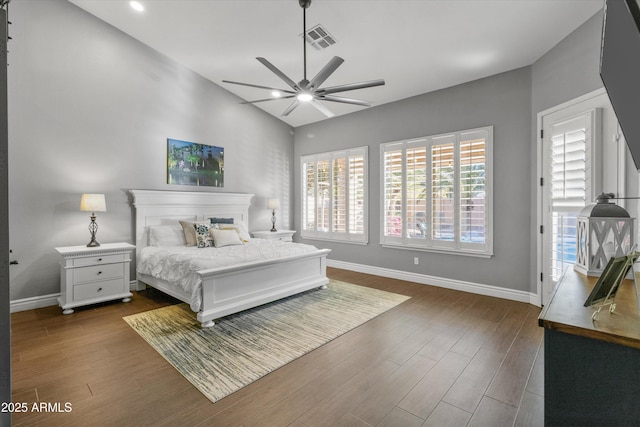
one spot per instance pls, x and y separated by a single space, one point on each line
570 170
443 183
436 192
334 193
357 193
472 192
393 192
416 189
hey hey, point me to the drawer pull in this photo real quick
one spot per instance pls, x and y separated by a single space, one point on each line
99 273
99 259
99 289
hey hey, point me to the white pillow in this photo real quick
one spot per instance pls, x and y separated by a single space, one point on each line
166 235
224 237
239 228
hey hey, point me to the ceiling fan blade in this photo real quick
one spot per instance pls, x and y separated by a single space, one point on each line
345 100
267 99
279 73
326 71
350 86
258 86
291 107
324 110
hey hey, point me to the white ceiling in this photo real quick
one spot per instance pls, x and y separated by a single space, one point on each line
417 46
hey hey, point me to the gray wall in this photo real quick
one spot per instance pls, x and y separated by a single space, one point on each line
504 101
571 69
90 110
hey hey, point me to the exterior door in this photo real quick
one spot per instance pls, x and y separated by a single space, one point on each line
568 153
581 156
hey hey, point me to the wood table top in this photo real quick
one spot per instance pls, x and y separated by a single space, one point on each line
566 312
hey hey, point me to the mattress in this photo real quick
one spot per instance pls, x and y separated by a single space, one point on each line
178 265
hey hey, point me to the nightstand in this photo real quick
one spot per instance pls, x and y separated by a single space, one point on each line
89 275
282 235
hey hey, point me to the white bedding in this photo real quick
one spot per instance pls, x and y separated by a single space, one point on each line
178 264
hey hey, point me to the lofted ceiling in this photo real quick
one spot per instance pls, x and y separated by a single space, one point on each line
416 46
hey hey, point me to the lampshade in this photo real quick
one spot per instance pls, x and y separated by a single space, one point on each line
273 204
93 203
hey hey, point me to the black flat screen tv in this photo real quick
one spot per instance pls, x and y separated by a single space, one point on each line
620 67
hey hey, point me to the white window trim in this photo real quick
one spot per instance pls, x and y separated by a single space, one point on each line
358 239
429 245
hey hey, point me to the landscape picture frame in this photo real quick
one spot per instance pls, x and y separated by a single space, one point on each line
191 163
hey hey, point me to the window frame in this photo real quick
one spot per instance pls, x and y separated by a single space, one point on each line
330 235
429 244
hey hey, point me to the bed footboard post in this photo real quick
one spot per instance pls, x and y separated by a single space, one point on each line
323 269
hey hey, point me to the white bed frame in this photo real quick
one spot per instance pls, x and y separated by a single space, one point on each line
225 290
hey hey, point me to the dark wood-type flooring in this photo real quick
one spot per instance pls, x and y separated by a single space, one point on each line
442 358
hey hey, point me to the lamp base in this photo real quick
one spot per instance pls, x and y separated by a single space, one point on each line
273 221
93 244
93 229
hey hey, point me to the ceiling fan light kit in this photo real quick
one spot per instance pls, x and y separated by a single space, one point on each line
309 91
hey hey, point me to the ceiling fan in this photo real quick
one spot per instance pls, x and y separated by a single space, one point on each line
306 91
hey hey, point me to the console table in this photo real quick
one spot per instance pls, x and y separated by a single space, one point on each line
592 368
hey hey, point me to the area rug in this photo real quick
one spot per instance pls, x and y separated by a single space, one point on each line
244 347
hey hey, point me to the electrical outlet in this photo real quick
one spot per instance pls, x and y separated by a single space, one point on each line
416 260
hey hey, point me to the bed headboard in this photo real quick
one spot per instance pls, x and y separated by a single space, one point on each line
157 207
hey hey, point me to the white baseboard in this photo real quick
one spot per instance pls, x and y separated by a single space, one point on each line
459 285
475 288
32 303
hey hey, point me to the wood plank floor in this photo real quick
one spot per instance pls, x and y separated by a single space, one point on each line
442 358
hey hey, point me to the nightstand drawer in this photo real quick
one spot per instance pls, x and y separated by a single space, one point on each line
98 259
97 289
97 272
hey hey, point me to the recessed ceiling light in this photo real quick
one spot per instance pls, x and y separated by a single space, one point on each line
136 6
276 94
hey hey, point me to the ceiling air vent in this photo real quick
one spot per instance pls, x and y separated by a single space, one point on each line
319 37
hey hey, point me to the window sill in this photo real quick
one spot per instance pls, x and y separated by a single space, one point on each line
326 239
446 251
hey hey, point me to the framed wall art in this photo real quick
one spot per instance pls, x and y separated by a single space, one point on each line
189 163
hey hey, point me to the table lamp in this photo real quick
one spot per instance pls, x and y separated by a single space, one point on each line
273 204
93 203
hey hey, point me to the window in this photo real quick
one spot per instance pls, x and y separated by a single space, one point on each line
334 195
436 192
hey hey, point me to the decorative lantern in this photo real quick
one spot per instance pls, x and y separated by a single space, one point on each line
605 230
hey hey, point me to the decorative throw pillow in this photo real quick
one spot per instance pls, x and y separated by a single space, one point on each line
190 231
221 220
224 237
239 228
203 238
